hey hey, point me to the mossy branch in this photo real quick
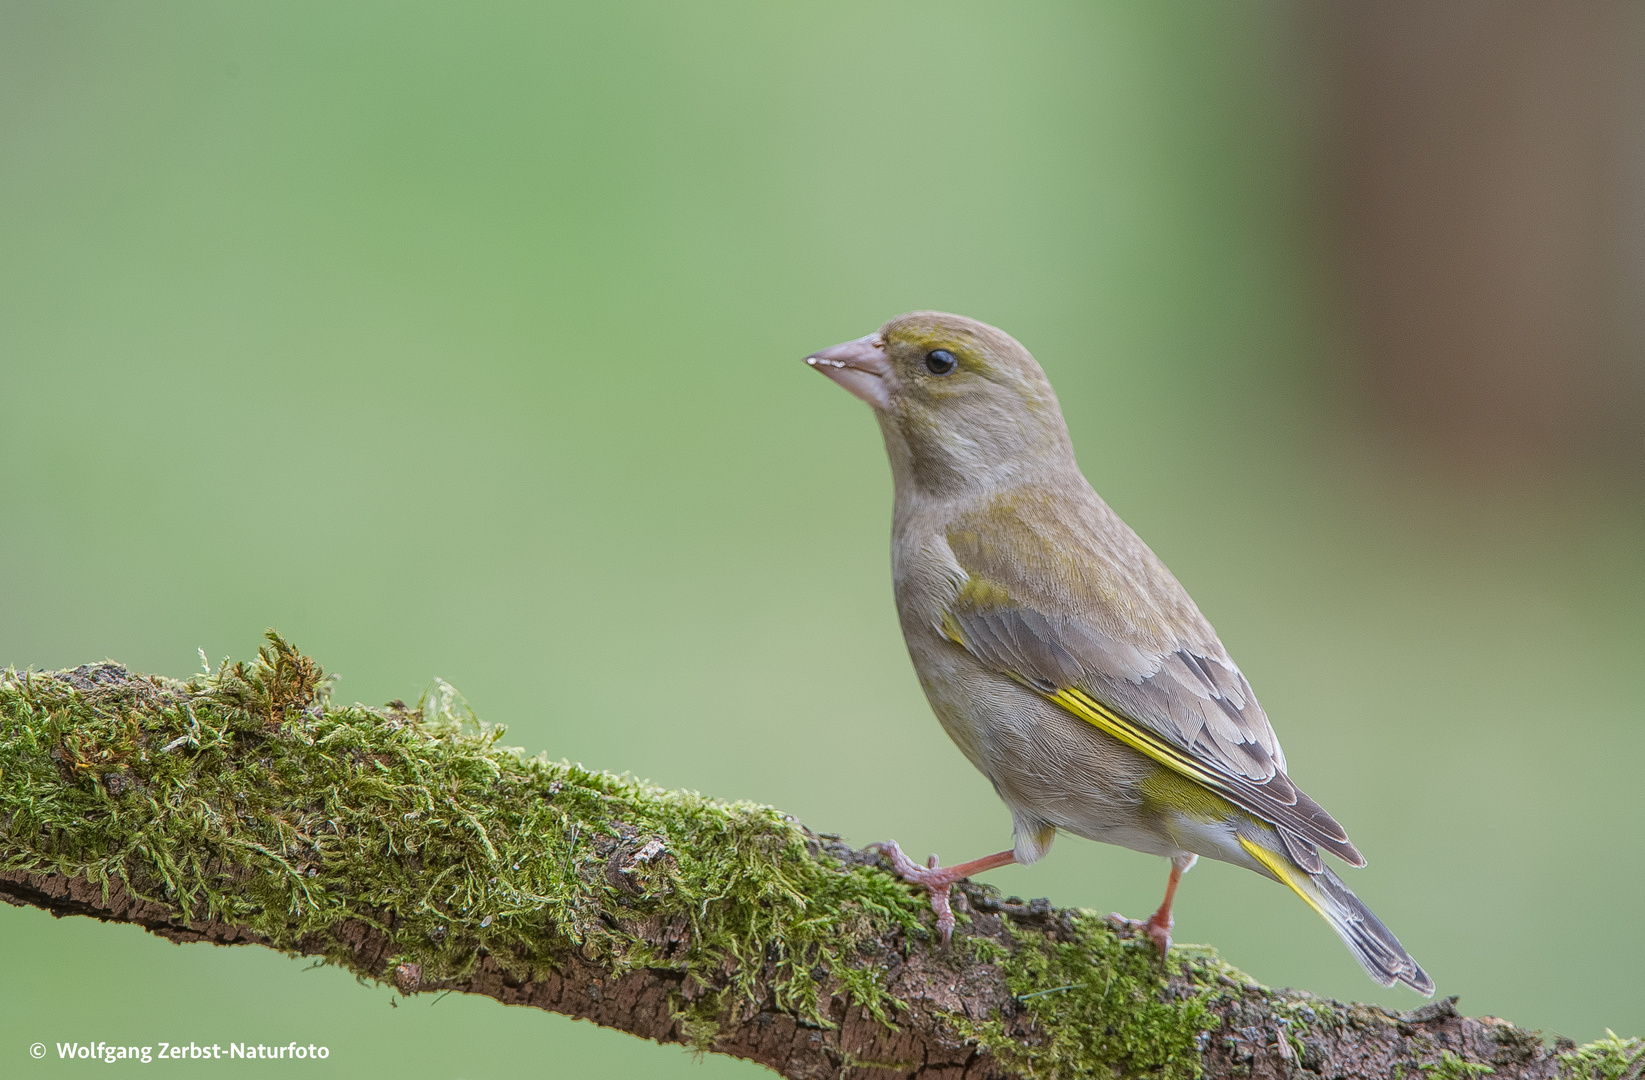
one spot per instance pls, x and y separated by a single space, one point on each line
406 845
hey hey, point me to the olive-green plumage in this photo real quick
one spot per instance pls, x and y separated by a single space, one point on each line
1058 652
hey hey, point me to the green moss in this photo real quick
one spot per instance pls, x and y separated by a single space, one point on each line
1300 1013
699 1020
985 949
1451 1067
243 795
1093 1004
1609 1058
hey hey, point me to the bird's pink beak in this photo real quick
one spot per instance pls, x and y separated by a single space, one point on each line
860 366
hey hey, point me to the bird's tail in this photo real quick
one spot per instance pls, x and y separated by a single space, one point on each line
1373 944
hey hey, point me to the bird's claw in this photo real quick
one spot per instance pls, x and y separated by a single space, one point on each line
1154 928
1160 934
931 877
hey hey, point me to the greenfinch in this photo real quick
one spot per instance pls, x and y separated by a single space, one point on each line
1060 654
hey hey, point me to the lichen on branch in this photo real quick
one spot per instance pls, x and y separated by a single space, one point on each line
409 846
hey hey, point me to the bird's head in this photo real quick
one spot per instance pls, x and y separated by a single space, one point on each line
961 403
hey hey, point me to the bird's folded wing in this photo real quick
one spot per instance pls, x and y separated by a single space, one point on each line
1186 705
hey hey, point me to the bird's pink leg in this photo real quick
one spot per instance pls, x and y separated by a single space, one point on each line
938 879
1158 926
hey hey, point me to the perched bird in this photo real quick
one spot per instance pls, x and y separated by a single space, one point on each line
1060 654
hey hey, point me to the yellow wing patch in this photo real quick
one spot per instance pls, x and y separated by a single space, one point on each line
1135 736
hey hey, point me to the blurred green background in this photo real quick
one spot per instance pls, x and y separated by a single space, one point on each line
465 342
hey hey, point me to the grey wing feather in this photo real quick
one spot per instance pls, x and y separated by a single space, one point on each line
1200 702
1194 697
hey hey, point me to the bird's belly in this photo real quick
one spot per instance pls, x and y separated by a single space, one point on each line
1048 765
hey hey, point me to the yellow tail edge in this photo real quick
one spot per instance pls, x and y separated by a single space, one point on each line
1281 868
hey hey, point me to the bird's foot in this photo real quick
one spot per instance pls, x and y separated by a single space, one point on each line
1155 928
937 880
1158 926
1159 932
933 878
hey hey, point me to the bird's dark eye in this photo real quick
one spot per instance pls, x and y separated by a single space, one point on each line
940 362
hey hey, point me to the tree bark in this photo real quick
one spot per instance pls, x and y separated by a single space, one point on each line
223 786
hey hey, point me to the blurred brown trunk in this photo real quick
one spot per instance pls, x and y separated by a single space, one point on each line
1492 178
